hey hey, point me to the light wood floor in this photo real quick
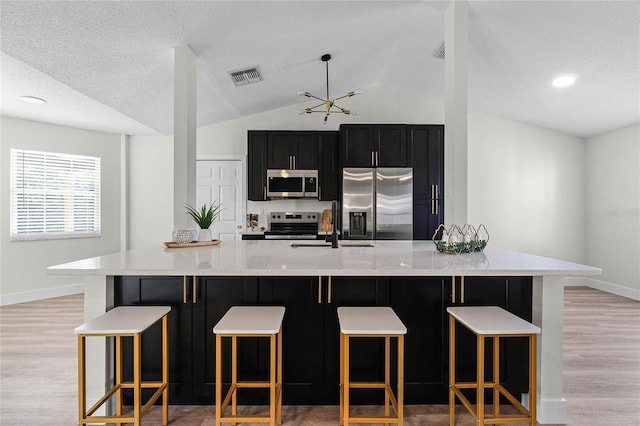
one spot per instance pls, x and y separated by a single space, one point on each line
601 368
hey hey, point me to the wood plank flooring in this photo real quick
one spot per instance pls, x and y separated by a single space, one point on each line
601 368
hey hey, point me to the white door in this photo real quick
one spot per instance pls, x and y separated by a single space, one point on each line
220 181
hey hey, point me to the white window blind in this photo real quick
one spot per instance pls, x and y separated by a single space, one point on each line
54 195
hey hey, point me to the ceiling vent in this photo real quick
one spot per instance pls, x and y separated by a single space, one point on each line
245 76
439 53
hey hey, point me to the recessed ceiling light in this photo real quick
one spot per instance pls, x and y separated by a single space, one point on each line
33 100
565 80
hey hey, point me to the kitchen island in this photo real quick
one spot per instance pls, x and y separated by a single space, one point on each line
312 281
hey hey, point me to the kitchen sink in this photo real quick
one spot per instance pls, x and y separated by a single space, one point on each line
296 245
356 245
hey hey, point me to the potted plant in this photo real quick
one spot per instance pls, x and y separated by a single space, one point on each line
204 218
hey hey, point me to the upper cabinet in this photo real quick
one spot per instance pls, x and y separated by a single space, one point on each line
374 145
329 173
292 150
426 150
302 150
257 165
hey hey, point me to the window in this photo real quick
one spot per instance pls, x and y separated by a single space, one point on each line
54 195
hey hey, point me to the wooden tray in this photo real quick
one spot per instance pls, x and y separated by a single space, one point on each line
172 244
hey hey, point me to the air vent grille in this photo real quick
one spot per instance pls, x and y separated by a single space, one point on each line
245 76
439 53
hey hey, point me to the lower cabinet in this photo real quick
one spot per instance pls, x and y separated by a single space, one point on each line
311 333
420 303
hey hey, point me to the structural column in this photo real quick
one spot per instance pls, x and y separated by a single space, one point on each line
184 135
456 111
548 314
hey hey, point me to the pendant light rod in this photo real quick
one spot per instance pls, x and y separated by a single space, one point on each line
325 58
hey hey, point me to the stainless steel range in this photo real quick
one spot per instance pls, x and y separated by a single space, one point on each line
292 226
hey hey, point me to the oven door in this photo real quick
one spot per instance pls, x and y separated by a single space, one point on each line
268 235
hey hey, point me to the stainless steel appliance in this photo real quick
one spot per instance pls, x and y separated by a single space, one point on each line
292 183
377 203
292 226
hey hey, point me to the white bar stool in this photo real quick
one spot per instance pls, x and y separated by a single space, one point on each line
250 321
380 322
491 322
125 321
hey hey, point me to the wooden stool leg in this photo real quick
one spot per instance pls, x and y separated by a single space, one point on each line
480 380
136 378
218 378
341 384
387 375
346 379
279 379
532 378
496 376
118 377
401 380
234 375
82 392
452 370
165 369
272 380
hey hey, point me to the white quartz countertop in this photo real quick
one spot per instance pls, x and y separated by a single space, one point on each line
278 258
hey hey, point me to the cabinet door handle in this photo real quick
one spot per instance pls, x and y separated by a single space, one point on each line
437 206
195 290
184 289
264 192
433 207
462 289
319 193
329 289
294 162
319 289
437 191
373 161
453 289
377 158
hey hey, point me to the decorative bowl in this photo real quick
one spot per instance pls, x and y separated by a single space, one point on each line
183 236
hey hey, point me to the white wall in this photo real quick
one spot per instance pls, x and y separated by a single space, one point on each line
23 273
526 184
613 207
150 200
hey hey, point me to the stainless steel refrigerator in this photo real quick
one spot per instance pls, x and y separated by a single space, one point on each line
377 203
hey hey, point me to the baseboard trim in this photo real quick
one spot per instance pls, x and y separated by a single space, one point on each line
604 286
552 411
46 293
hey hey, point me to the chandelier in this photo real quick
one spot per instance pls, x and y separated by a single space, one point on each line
328 105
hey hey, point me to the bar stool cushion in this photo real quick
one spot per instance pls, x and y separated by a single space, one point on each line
492 320
369 320
250 320
124 320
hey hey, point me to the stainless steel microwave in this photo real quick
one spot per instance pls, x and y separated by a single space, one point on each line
292 184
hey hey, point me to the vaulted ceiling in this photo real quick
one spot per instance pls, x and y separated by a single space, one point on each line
108 65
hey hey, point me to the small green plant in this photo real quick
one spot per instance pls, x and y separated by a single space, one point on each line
205 216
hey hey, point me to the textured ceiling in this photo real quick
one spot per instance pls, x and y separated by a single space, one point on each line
108 65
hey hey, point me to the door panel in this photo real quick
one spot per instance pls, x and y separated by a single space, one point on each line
220 181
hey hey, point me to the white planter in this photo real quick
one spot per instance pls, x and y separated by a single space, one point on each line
204 235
